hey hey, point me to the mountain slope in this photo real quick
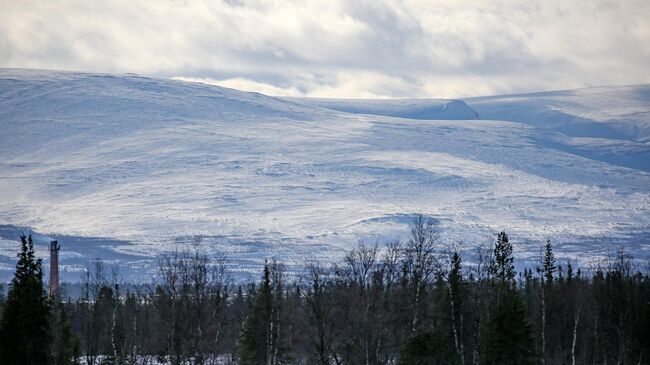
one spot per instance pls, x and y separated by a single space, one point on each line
611 112
153 163
607 123
429 109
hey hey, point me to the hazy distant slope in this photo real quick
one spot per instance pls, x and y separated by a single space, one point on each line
401 108
609 123
154 162
619 112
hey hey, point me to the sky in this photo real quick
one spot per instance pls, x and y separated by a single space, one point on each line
340 48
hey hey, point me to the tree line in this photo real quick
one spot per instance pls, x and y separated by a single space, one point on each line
411 302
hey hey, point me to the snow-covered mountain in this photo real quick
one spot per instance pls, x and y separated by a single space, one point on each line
400 108
603 123
148 164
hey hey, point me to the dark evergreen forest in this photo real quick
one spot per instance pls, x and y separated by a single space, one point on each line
410 302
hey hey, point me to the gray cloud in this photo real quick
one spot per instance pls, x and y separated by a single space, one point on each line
362 48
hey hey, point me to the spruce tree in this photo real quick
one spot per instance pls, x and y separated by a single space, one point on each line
25 325
65 344
503 268
455 300
507 339
255 337
548 265
427 348
546 290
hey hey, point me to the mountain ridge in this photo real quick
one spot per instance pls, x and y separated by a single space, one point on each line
152 163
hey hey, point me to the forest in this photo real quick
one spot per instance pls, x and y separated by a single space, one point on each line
414 301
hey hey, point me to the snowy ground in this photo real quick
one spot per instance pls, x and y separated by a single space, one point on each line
150 164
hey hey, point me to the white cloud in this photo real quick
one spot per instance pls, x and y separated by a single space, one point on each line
241 83
339 48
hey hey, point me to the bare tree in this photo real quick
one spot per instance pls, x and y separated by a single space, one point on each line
318 307
421 262
482 278
191 295
93 279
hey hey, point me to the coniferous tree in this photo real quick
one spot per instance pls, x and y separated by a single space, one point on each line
254 347
455 299
547 273
65 345
549 267
427 348
2 298
25 326
508 336
503 268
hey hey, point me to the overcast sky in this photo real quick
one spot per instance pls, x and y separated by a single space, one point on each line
340 48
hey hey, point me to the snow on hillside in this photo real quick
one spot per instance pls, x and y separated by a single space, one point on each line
607 123
150 164
401 108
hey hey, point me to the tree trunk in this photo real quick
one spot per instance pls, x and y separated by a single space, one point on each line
416 305
457 341
113 326
575 336
543 325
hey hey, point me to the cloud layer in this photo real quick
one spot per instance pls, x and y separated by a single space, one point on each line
338 48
